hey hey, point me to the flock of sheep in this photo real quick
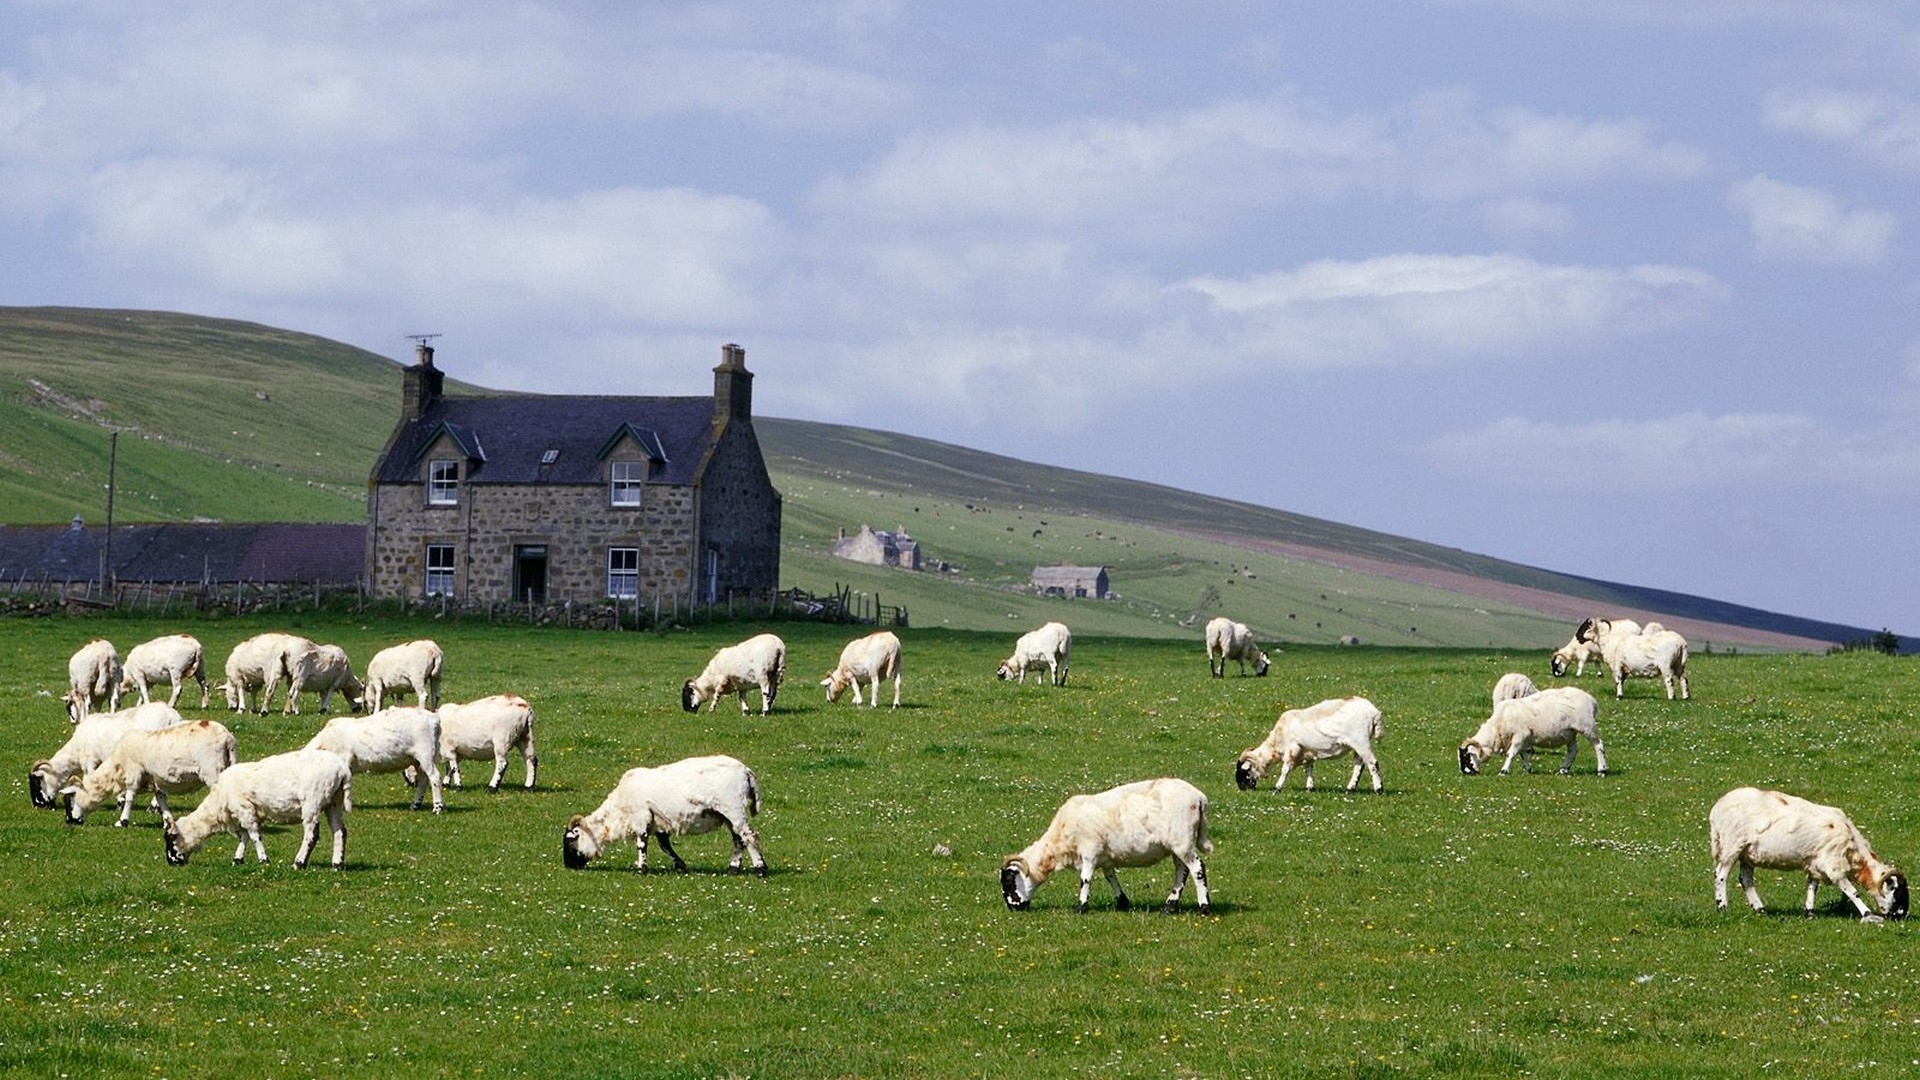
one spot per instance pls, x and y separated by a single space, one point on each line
150 747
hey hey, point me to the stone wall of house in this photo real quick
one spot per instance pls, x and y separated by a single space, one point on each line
740 515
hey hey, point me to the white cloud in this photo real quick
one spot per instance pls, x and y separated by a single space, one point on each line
1884 129
1421 309
1753 452
1520 217
1791 222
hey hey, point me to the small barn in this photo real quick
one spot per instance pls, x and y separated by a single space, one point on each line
878 547
1073 582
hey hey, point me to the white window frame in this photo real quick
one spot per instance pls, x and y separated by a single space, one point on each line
623 482
619 576
439 576
443 482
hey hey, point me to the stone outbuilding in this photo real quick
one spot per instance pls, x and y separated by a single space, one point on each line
1088 582
546 498
879 547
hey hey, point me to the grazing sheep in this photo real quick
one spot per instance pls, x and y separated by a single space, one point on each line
172 659
413 666
93 675
1330 729
1662 653
1135 824
1550 718
1229 640
758 661
259 663
487 728
171 761
688 797
874 657
1785 832
1575 654
323 669
297 786
1051 646
385 742
91 741
1513 685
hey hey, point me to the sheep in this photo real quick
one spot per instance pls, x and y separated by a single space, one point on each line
1229 640
1330 729
92 740
874 657
1591 628
259 663
172 659
1050 645
758 661
388 741
1550 718
93 675
486 728
1135 824
300 785
323 669
1575 654
413 666
171 761
688 797
1513 685
1662 653
1785 832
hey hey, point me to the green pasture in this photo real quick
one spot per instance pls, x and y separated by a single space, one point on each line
1534 924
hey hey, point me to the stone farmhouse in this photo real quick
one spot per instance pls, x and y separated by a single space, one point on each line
879 547
1071 581
552 498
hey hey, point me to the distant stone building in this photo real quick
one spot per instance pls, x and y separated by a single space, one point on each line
1088 582
542 498
879 548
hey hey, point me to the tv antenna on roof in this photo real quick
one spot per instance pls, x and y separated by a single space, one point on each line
421 339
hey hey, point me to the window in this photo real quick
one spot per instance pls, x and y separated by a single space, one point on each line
443 483
625 484
439 570
623 573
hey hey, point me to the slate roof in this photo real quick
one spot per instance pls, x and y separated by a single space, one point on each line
187 552
506 438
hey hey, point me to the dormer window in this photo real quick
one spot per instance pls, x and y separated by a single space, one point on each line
624 479
443 483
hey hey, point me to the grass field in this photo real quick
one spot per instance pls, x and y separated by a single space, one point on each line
1533 924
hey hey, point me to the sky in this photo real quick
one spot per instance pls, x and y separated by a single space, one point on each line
1623 289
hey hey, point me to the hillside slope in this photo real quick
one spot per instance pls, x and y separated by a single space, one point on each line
227 420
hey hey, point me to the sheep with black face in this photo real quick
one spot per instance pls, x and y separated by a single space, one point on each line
1329 729
1135 824
1753 827
688 797
758 661
1558 717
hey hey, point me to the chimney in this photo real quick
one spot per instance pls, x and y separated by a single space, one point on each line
732 386
420 385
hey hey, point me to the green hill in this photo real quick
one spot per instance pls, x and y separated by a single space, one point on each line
232 421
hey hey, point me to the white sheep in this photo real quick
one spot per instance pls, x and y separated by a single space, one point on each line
172 659
1662 653
1513 685
1135 824
259 663
300 785
1592 627
758 661
1575 654
1551 718
173 760
1051 647
397 669
874 657
89 744
1330 729
487 728
688 797
1785 832
93 675
323 670
388 741
1229 640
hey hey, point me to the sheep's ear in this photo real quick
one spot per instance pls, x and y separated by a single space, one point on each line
70 790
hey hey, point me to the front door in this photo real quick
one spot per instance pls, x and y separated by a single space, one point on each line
530 573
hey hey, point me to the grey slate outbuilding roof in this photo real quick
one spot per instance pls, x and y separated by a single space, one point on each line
187 552
507 440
